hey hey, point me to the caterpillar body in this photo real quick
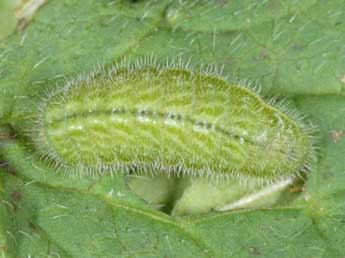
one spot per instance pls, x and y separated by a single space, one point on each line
143 118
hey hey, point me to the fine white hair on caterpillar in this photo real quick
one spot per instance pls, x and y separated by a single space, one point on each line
148 118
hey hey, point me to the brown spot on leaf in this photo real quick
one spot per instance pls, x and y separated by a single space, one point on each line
16 196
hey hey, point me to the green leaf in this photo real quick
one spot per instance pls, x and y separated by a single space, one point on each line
49 220
291 48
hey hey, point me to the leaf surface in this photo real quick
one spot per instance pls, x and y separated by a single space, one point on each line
292 49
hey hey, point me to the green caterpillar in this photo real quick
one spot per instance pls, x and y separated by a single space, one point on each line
141 117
